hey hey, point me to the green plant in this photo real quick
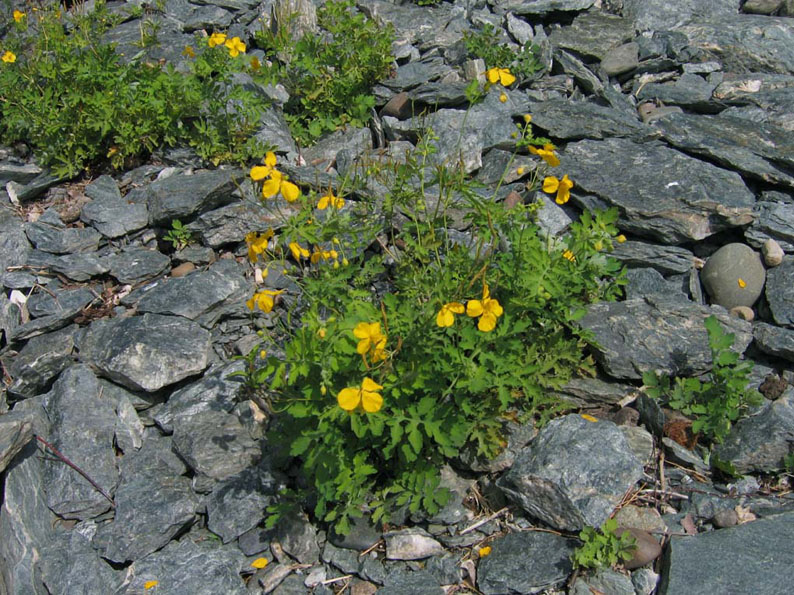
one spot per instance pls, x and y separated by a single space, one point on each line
328 74
522 62
720 400
69 95
179 235
604 547
788 463
414 344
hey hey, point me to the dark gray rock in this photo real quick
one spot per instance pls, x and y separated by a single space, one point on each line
584 77
689 91
215 444
540 7
603 580
298 538
649 181
75 398
734 276
592 34
183 197
751 558
758 443
109 213
362 536
16 431
19 172
780 292
668 260
774 340
659 15
136 265
71 565
587 391
14 245
437 94
345 560
154 502
769 97
405 582
577 120
274 131
773 220
52 311
203 296
215 391
255 541
146 352
665 335
757 150
56 238
324 153
414 74
649 281
35 187
186 567
621 60
574 473
238 504
38 363
525 563
77 267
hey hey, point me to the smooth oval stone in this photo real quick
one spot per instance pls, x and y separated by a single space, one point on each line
648 549
734 276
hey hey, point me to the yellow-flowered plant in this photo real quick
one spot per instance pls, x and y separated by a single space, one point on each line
9 57
298 251
329 199
18 16
216 39
552 185
501 76
263 300
486 309
365 397
235 46
446 316
273 181
371 341
257 243
546 153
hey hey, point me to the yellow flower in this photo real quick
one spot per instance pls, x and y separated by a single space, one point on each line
255 64
487 309
546 153
216 39
569 255
259 563
370 338
18 16
257 243
278 183
742 283
365 396
446 316
589 418
562 187
262 354
527 118
503 98
263 300
9 57
235 46
484 551
520 171
321 333
500 75
298 251
260 172
329 199
188 52
150 584
318 254
620 239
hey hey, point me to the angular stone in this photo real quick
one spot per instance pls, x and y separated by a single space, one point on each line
773 220
146 352
656 15
238 504
734 276
525 562
648 281
574 473
780 292
215 444
38 363
774 340
203 296
668 260
183 197
603 580
755 557
581 119
405 582
620 60
154 502
410 544
109 213
759 151
59 239
71 565
688 91
660 192
16 431
187 567
137 264
414 74
77 267
21 173
542 7
583 76
299 538
592 34
666 335
760 442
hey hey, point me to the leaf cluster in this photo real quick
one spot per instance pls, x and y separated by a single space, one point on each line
523 61
179 235
604 547
717 401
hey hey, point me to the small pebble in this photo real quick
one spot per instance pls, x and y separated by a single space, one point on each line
648 549
183 269
743 312
725 518
773 253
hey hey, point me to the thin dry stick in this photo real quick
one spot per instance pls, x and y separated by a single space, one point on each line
54 451
481 522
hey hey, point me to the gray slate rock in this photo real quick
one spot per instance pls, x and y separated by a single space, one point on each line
525 563
774 340
755 557
577 120
592 34
52 312
668 260
584 77
663 335
405 582
540 7
726 269
77 267
183 197
154 502
59 239
603 580
238 504
758 443
136 265
574 473
780 292
688 91
773 220
621 60
411 544
660 15
38 363
186 567
298 537
203 296
75 398
649 281
146 352
649 181
109 213
71 565
16 431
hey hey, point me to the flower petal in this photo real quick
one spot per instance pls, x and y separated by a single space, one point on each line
270 159
505 77
371 401
349 398
271 187
487 322
445 317
550 184
370 385
259 172
492 74
474 308
290 191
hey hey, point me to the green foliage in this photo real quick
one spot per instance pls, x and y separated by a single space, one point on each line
788 463
714 403
329 74
441 388
603 548
73 99
522 62
179 235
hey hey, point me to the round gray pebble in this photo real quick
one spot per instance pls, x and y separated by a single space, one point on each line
734 276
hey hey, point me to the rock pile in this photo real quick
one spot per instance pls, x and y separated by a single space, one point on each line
678 114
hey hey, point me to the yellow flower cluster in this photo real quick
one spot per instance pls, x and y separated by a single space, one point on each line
365 396
546 153
318 255
486 309
562 187
329 199
257 243
263 300
273 181
18 16
9 57
233 44
502 76
370 340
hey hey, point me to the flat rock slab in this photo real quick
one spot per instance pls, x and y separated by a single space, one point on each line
109 213
542 7
181 196
146 352
574 473
773 220
593 34
59 239
779 292
525 563
659 334
38 363
71 565
661 193
755 557
137 265
660 15
577 120
757 150
238 504
16 431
